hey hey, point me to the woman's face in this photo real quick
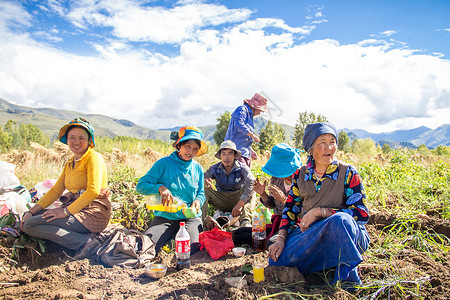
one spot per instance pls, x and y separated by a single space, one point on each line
324 148
188 150
78 141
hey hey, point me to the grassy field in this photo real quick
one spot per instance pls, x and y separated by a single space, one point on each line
408 195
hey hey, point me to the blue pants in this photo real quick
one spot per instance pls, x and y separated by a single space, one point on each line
335 242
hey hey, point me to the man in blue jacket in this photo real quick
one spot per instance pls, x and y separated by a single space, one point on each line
233 195
241 130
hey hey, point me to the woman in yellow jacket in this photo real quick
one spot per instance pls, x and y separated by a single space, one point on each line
86 207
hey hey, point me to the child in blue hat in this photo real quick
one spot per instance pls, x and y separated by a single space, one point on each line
282 164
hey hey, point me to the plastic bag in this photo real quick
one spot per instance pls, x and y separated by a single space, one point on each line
12 201
216 242
7 176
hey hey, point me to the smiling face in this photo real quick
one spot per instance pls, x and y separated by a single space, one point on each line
324 148
188 150
227 156
78 141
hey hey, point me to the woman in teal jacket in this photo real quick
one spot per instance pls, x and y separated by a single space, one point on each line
177 175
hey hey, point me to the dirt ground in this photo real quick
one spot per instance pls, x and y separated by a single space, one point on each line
55 275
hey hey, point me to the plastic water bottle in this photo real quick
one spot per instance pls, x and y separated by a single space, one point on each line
183 248
153 202
259 230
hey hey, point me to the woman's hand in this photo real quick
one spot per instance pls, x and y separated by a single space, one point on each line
53 214
276 193
260 187
276 248
28 214
166 196
196 205
25 216
312 215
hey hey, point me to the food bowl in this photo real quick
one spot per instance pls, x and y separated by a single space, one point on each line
155 271
239 251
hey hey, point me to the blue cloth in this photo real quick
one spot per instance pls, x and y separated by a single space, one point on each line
314 130
241 124
184 179
335 242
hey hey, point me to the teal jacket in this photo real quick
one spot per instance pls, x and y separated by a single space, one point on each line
184 179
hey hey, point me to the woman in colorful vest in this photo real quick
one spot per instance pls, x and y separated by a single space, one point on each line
328 196
86 207
177 175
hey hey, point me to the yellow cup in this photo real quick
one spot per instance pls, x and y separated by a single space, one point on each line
258 271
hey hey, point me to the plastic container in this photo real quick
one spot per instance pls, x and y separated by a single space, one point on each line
258 271
155 271
239 251
183 248
259 230
153 202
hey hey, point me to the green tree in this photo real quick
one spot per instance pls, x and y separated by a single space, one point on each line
11 128
305 118
31 133
364 146
271 135
5 141
386 149
422 149
19 136
221 127
442 150
343 141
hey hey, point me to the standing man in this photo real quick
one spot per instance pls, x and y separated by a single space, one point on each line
241 130
234 186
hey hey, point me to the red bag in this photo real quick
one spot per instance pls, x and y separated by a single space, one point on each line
217 242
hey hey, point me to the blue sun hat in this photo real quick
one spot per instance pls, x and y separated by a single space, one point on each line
283 162
82 122
189 133
314 130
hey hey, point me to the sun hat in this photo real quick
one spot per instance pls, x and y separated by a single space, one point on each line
189 133
82 122
228 144
314 130
258 102
283 162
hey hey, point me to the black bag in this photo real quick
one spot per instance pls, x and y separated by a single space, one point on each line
127 248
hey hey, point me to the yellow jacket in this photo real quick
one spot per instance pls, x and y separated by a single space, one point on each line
88 174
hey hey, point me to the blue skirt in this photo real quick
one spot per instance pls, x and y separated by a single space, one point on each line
335 242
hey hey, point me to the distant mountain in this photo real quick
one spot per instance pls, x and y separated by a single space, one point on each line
49 120
411 138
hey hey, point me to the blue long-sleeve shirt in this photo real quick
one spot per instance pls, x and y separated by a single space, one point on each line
184 179
241 124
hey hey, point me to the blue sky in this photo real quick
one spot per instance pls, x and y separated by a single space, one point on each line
374 65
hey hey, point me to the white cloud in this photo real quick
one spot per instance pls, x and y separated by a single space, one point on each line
12 14
133 22
370 85
388 33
